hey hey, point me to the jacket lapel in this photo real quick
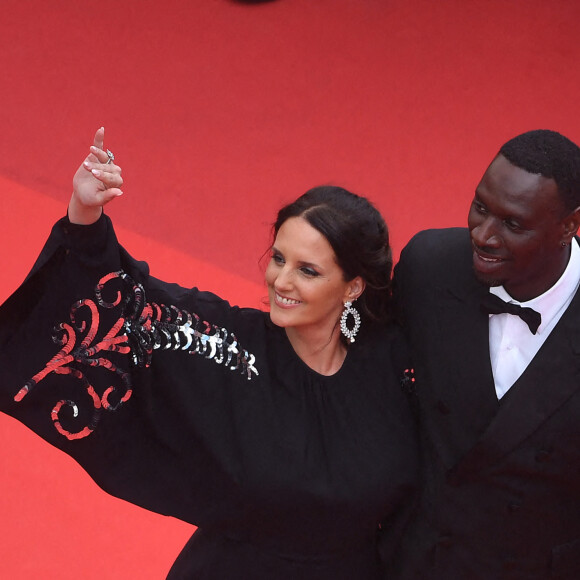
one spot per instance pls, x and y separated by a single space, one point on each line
467 402
548 382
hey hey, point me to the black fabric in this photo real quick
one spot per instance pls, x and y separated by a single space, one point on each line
501 485
286 472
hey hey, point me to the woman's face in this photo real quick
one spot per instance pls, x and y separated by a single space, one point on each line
306 286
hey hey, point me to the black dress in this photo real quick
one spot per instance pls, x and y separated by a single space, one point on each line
178 402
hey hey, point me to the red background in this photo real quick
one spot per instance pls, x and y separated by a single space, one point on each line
219 112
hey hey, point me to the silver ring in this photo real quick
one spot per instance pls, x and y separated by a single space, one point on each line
110 156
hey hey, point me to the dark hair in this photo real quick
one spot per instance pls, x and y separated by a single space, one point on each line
549 154
358 236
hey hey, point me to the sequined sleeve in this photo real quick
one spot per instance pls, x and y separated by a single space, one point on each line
121 370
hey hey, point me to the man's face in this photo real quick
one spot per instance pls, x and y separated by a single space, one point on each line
517 223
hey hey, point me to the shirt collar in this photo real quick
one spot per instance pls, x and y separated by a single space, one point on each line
549 303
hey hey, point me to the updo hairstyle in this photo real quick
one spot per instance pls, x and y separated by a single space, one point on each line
359 238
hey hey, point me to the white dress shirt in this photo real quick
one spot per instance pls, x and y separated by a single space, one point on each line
511 344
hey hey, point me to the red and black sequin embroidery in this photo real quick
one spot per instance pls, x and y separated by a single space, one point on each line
138 330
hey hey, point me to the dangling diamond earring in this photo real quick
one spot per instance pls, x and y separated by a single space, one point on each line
350 333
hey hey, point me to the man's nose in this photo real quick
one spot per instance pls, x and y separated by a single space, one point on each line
486 234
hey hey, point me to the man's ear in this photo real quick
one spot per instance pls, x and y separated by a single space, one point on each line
571 224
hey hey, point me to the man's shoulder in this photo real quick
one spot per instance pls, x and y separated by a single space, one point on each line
438 243
441 236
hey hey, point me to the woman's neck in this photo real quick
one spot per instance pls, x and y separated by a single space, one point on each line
320 351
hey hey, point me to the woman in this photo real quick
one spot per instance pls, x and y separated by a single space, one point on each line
285 437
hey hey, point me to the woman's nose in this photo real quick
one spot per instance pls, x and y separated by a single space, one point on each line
283 279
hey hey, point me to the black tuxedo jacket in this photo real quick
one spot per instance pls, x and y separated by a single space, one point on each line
501 496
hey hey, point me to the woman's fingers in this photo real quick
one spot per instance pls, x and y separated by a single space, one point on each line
100 163
108 175
99 138
102 156
110 181
105 167
98 152
109 194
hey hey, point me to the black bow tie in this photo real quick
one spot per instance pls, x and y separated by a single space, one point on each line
492 304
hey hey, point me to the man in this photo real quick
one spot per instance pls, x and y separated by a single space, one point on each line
498 398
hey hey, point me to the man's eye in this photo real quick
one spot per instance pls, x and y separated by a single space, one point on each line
479 207
514 226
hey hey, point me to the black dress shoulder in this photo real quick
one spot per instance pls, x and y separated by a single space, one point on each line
176 401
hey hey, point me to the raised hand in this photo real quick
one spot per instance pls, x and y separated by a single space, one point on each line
96 182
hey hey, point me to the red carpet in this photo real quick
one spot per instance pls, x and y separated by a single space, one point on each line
219 112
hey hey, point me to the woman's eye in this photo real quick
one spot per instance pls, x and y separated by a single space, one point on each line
277 259
309 271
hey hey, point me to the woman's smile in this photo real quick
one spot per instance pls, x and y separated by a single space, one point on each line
285 302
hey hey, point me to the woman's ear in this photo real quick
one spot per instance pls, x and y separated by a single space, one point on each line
355 288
